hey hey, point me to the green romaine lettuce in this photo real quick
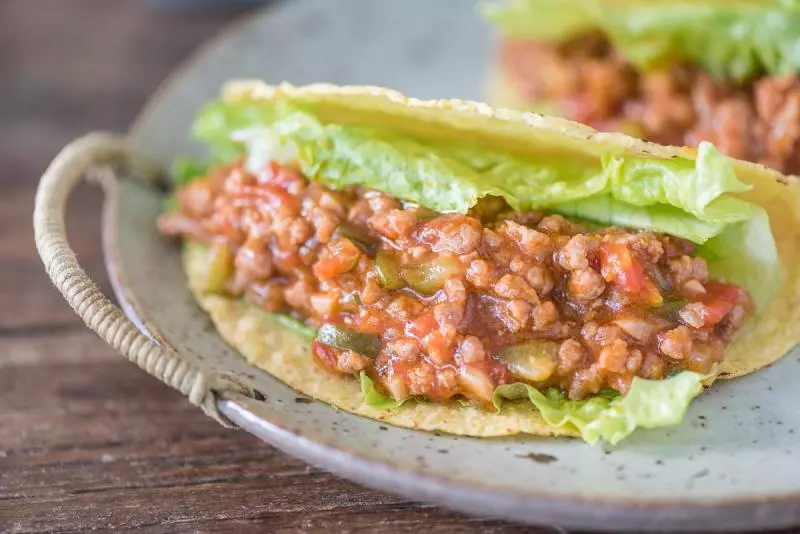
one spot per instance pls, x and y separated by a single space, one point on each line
547 20
737 39
185 169
691 186
745 254
444 178
606 210
610 416
374 398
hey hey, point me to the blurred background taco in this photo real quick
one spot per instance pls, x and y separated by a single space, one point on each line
674 72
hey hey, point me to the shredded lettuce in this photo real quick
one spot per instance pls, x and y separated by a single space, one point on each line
608 415
737 39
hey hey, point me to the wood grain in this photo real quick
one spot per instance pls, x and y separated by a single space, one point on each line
88 441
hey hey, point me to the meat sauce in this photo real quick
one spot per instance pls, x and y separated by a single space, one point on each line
444 305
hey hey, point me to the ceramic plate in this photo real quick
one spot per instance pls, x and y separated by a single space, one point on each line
733 464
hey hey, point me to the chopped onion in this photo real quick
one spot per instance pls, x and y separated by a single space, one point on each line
476 382
396 386
694 288
535 361
638 329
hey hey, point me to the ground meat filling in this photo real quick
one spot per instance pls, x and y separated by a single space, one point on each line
442 305
590 82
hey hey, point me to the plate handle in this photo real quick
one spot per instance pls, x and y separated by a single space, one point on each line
89 157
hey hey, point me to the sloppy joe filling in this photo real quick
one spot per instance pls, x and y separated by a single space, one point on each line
439 305
587 80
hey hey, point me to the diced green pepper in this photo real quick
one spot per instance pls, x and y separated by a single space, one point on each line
219 267
359 236
388 270
428 278
344 338
426 214
671 307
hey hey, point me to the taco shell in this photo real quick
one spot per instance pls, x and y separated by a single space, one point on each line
286 355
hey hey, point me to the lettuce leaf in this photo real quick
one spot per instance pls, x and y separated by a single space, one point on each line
374 398
738 39
678 197
606 210
689 185
443 177
185 169
612 417
745 254
448 177
548 20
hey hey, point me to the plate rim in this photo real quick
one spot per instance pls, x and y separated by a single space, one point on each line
725 515
542 510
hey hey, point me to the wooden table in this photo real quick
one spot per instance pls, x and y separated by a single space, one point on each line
87 440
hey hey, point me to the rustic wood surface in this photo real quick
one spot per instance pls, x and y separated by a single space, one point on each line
88 441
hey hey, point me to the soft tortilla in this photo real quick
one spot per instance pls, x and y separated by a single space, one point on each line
287 356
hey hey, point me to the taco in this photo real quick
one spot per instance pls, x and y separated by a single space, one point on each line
443 265
674 72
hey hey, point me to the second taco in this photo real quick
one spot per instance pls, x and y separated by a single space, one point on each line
675 72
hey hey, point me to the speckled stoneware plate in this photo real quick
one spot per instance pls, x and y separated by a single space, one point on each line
733 465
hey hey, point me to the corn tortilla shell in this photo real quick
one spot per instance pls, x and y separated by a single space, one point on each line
287 356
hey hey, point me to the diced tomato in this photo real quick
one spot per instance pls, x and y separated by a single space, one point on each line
342 256
500 373
719 300
371 321
619 266
325 356
722 291
328 268
422 326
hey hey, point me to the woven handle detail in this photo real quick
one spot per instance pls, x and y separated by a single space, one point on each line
102 156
